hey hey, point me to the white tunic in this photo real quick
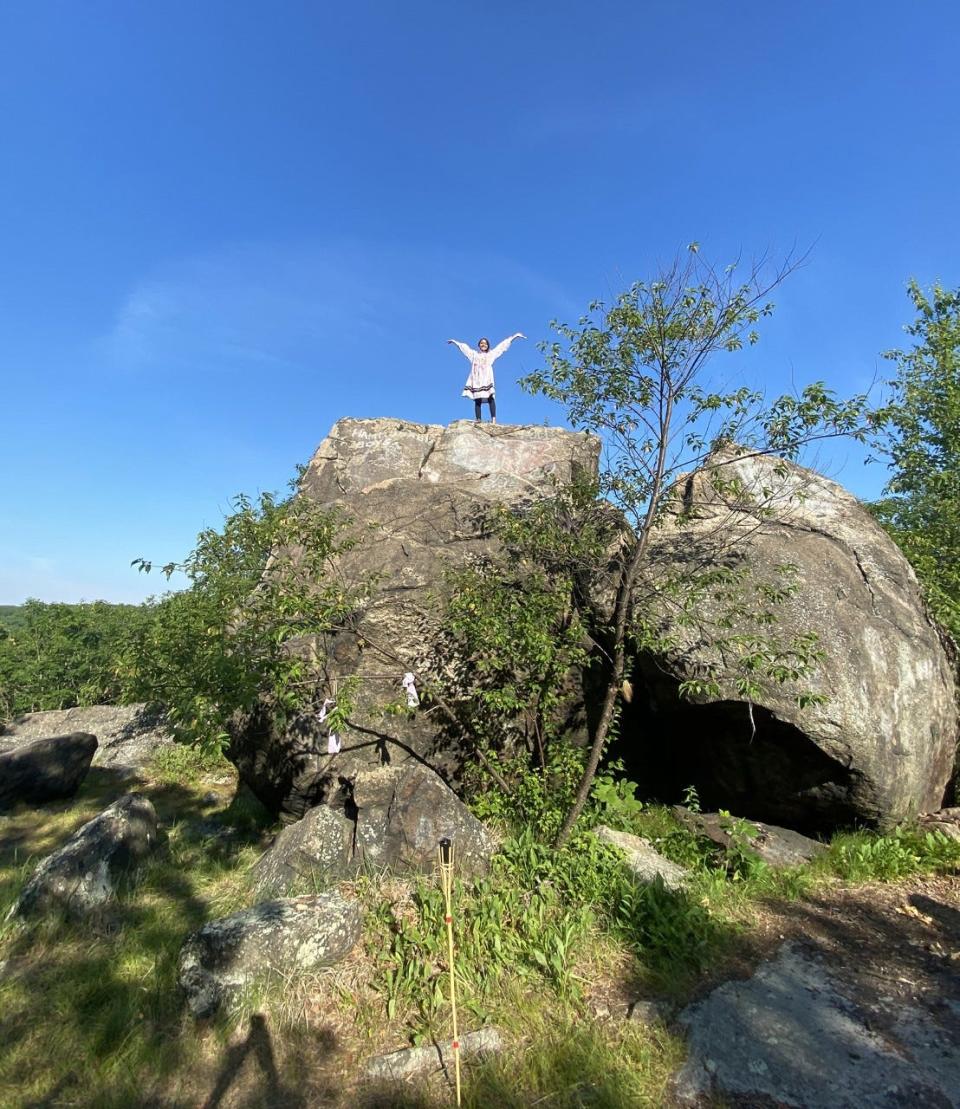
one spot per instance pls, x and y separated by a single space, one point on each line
480 384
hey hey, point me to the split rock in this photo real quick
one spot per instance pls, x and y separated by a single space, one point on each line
418 497
284 936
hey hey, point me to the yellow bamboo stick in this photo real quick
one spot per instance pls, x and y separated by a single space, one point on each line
446 882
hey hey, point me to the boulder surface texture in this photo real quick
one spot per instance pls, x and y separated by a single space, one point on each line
81 876
128 735
46 769
399 815
286 936
417 496
880 747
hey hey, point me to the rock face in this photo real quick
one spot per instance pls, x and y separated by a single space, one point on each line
417 495
880 747
399 816
322 840
403 814
128 735
796 1034
46 769
81 876
288 936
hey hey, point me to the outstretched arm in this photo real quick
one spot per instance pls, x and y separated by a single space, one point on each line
467 351
501 347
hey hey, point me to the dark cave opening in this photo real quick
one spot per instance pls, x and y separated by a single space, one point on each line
765 770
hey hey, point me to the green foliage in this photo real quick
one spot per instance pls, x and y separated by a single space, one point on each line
262 593
635 373
615 798
921 506
864 857
538 797
186 764
56 656
515 623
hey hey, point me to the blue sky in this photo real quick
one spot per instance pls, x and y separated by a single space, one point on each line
226 225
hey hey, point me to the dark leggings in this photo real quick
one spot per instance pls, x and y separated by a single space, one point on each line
477 408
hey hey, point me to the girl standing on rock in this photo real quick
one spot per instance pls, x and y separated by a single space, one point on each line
479 384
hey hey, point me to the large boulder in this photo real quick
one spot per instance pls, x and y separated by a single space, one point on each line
286 937
129 736
418 496
81 876
880 747
45 769
398 815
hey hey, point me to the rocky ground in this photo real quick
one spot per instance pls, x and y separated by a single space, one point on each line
850 997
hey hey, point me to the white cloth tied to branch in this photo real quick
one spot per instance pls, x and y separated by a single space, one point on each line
413 698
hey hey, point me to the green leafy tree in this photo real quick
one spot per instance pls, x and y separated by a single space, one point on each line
637 373
263 591
921 506
56 656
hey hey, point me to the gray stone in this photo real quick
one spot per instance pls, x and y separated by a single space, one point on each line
416 1062
645 1011
404 812
81 876
642 858
45 769
791 1034
398 817
777 847
286 936
880 748
129 735
322 841
417 495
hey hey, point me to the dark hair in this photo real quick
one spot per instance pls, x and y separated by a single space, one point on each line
483 339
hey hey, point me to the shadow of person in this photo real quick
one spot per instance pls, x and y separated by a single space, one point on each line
259 1045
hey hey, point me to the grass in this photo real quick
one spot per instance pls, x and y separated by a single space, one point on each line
91 1015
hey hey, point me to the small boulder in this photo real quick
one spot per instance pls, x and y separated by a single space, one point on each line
81 876
404 812
777 847
285 936
46 769
642 858
321 840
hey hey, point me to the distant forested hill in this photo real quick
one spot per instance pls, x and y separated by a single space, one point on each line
12 616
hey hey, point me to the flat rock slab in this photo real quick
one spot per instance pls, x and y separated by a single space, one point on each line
793 1035
129 736
642 858
81 876
416 1062
777 847
285 937
45 769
